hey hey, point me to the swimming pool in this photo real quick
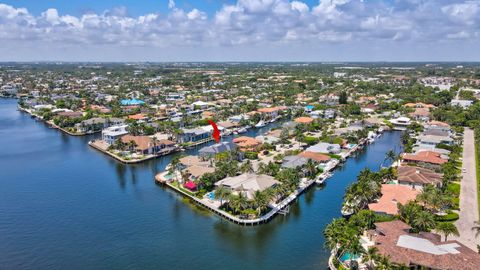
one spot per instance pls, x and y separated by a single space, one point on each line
168 176
211 195
349 257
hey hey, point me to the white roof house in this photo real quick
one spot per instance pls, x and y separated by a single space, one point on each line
248 183
112 133
325 148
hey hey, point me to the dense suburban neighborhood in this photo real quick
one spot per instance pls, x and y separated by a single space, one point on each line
283 130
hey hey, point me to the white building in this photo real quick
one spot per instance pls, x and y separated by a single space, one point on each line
111 134
400 123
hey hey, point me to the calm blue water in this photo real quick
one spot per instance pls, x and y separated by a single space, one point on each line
65 205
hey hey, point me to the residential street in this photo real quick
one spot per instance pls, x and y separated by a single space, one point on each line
468 194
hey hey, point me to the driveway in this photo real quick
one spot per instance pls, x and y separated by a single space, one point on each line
468 195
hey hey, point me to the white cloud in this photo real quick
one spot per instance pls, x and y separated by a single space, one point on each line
171 4
252 22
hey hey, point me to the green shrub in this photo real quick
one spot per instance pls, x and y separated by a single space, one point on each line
384 218
310 140
448 217
251 155
335 156
454 188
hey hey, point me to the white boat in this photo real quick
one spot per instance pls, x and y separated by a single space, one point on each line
347 211
241 130
260 124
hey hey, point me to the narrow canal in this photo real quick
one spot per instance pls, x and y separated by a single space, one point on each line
65 205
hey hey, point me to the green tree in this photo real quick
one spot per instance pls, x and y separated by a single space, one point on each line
424 221
447 228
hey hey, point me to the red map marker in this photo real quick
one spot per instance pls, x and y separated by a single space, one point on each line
216 132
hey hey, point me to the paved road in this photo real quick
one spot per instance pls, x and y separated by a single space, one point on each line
468 194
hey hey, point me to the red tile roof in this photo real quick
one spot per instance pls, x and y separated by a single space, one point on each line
425 156
391 195
386 237
315 156
304 120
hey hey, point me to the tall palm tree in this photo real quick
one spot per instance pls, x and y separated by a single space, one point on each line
370 256
476 228
447 228
154 141
260 201
246 167
311 168
237 202
222 193
389 156
424 221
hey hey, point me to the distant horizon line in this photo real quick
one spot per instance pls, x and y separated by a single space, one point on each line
244 61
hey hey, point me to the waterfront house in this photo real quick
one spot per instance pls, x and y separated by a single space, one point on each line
392 195
147 145
247 143
325 148
194 135
423 250
271 112
317 157
248 183
418 177
294 162
227 125
211 151
70 114
194 172
111 134
400 123
238 118
92 125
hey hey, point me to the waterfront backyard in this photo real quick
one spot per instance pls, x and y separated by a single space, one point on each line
65 205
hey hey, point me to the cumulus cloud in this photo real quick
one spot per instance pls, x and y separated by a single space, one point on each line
252 22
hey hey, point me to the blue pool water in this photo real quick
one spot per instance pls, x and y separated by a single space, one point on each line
348 257
211 195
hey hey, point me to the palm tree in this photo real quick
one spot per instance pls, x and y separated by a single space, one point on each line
154 141
174 165
311 168
447 228
370 256
260 201
389 156
132 144
237 202
424 221
246 167
476 228
222 193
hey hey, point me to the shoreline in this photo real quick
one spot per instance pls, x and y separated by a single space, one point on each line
278 207
128 161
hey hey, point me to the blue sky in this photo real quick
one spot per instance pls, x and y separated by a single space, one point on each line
240 30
